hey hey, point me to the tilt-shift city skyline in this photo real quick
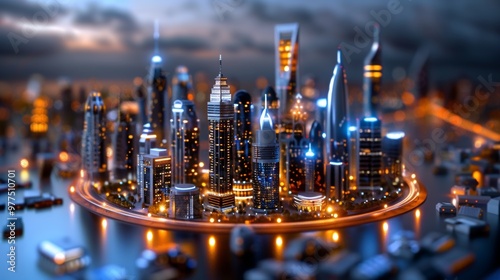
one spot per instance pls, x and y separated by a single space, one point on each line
292 166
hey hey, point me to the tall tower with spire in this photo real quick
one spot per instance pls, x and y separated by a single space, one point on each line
337 132
265 178
94 139
157 95
220 111
372 76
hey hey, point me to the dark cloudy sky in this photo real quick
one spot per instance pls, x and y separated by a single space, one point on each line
113 39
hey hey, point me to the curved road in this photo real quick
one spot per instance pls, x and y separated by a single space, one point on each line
93 202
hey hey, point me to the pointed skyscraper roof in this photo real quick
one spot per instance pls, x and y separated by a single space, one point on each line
337 114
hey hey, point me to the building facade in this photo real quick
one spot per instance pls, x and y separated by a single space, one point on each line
372 77
242 180
94 139
286 39
337 129
265 178
392 154
220 111
370 154
125 146
157 96
185 202
185 143
156 176
147 141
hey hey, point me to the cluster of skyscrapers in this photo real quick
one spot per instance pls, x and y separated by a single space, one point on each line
251 163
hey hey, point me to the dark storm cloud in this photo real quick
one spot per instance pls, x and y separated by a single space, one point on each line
182 43
13 42
97 16
243 41
22 8
276 13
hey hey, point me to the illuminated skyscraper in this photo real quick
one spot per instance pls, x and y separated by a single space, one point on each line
372 76
370 154
309 200
265 178
353 157
286 39
296 148
125 145
220 151
182 85
185 202
157 176
336 127
147 141
141 97
185 143
392 151
272 105
157 96
317 147
242 180
94 139
310 170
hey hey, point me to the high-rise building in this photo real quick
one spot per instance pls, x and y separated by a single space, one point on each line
147 141
273 105
94 139
372 77
185 143
265 178
125 146
370 154
310 170
296 147
335 171
353 157
182 85
286 39
67 113
156 176
242 179
141 98
157 96
392 151
336 128
317 147
185 202
220 111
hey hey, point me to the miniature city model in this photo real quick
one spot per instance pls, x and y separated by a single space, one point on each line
346 172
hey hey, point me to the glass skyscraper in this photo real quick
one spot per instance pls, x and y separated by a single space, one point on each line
242 180
265 178
185 143
94 139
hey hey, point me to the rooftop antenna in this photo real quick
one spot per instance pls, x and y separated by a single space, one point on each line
220 65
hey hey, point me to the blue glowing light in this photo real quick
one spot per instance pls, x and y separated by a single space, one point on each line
321 103
156 59
370 119
395 135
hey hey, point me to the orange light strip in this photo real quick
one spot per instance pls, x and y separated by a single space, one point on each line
456 120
